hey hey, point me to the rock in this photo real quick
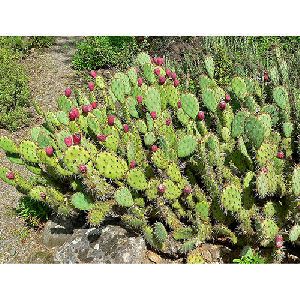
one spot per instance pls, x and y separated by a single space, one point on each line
55 234
108 245
155 258
213 254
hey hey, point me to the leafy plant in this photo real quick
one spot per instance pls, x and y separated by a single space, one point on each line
104 51
249 257
32 211
178 169
14 91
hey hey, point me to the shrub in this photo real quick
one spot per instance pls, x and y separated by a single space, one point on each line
104 51
23 44
32 211
177 169
249 257
14 91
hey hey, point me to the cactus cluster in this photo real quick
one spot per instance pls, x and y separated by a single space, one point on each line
177 169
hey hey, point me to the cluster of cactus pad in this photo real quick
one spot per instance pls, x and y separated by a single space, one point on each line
177 169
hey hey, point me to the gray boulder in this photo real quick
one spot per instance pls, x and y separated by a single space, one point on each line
108 245
55 234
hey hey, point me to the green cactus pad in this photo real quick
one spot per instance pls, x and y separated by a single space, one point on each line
160 232
209 65
74 157
239 87
172 190
210 100
81 201
143 58
294 233
28 150
190 105
287 129
149 138
255 131
202 210
8 145
183 233
136 179
124 197
186 146
98 212
268 230
281 97
152 100
173 172
160 159
111 166
231 199
296 181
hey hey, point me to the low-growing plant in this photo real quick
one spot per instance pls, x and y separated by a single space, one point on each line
14 91
249 257
33 212
180 170
104 51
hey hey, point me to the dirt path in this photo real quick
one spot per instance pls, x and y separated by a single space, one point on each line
50 73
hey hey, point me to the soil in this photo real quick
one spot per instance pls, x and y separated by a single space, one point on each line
50 72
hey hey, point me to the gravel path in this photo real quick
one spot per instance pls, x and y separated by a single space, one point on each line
50 73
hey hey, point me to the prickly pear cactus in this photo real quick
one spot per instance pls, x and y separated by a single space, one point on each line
178 169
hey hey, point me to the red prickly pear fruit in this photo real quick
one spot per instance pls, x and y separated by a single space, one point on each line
222 105
176 83
101 137
76 138
83 169
68 92
153 115
140 81
264 170
280 155
161 188
74 113
90 107
43 195
125 128
266 76
279 241
173 75
168 73
68 141
168 122
179 104
201 115
227 98
10 175
49 151
91 86
154 148
111 120
162 80
155 60
157 71
132 164
94 104
85 109
93 74
139 99
187 190
160 61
